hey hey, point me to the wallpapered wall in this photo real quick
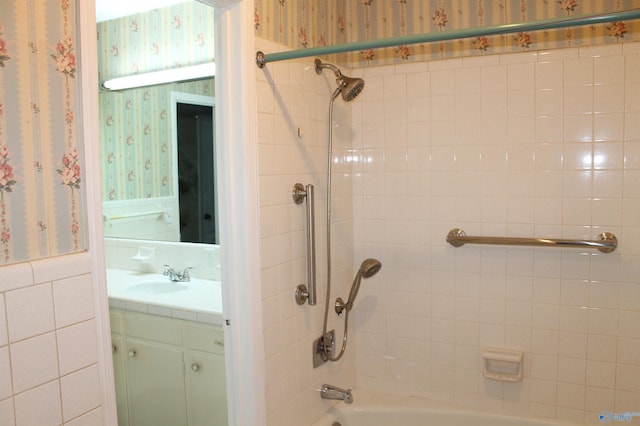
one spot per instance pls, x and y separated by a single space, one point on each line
41 206
135 137
135 129
310 23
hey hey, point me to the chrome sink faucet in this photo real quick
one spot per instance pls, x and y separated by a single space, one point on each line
334 392
177 276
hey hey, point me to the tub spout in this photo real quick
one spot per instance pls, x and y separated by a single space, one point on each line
334 392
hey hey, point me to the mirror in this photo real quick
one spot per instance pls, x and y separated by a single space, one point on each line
157 175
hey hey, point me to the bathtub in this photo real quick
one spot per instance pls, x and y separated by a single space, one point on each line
380 410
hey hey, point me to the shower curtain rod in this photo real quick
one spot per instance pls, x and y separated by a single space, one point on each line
546 24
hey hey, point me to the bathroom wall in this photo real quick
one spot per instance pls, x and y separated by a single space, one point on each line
305 24
534 144
42 210
152 256
293 108
50 373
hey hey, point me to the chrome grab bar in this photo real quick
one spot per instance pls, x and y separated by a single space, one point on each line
606 243
299 193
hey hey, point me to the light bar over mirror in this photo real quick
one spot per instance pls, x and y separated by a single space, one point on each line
193 72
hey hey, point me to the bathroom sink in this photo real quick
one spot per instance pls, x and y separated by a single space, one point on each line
157 287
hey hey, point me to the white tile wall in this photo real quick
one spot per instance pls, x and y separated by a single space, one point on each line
48 343
538 144
204 259
292 96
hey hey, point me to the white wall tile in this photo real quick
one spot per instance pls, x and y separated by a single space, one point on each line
6 412
93 417
29 311
72 297
80 392
39 406
34 361
15 276
4 334
56 268
77 347
6 389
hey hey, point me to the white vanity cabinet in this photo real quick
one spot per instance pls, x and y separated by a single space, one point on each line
168 371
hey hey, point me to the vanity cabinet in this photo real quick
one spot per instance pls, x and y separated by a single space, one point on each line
168 371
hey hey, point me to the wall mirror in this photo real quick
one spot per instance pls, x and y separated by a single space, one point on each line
157 142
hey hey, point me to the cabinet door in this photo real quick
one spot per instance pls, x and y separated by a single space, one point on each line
120 380
156 389
206 389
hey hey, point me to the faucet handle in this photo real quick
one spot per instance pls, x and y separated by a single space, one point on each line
185 273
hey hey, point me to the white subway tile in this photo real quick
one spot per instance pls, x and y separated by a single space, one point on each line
34 362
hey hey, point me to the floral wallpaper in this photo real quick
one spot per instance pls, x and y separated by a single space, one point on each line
135 137
41 187
135 130
310 23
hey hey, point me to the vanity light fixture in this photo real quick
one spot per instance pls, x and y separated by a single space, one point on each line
193 72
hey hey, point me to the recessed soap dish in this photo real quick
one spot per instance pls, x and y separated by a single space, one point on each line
144 255
503 364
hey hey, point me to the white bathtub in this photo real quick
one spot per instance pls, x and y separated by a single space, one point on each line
380 410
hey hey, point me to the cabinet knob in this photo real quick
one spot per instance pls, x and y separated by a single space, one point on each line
219 342
195 366
114 348
132 353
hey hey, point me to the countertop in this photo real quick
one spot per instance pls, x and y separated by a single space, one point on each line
197 300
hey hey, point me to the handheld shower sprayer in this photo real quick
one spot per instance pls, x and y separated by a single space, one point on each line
368 268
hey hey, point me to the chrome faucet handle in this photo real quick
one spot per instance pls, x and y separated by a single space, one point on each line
185 274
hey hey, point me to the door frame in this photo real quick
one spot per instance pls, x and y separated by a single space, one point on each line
201 100
239 214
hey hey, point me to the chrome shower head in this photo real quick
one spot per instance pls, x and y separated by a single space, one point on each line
349 87
368 268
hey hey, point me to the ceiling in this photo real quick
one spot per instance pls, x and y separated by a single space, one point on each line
112 9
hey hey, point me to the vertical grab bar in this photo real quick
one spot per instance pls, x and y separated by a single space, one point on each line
302 293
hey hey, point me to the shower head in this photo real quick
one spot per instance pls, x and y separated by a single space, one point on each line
349 87
368 268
